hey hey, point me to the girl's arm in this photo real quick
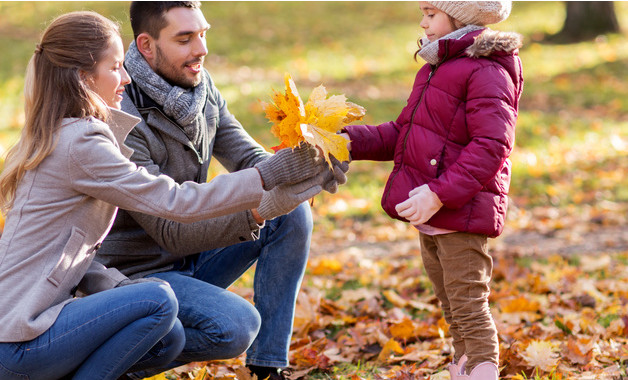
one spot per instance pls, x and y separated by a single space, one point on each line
378 143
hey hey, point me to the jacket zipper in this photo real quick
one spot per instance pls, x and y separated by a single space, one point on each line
405 140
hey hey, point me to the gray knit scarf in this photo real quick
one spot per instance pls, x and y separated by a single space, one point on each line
429 50
185 106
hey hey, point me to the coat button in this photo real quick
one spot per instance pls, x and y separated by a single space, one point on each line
433 162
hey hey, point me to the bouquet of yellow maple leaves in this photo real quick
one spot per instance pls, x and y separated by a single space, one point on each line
315 122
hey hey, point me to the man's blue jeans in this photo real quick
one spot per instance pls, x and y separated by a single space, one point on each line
101 336
220 324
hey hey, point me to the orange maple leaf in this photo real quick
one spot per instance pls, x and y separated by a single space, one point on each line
403 330
390 348
316 122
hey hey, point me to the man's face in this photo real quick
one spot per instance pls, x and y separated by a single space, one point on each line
181 47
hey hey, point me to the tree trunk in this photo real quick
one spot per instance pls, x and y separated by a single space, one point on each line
588 19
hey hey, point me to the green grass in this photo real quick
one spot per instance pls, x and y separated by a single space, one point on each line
572 133
571 126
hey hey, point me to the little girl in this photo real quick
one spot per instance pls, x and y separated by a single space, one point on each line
451 174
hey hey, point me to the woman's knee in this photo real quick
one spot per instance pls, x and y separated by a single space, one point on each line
173 343
162 297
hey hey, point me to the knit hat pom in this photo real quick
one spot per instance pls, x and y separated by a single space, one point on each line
475 12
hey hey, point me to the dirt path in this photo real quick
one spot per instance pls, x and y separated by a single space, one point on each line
539 232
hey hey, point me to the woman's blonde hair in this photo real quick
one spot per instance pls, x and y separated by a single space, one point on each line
54 89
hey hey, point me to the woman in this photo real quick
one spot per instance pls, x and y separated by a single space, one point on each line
60 189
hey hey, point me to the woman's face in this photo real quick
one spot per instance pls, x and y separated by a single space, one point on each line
435 22
110 77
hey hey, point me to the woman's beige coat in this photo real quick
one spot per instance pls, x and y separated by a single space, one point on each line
65 207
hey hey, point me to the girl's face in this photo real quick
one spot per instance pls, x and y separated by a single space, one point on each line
435 22
110 77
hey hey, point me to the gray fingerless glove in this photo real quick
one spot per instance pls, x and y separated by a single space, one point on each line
290 166
285 198
129 281
337 176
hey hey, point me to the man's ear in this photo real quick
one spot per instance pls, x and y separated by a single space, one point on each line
146 45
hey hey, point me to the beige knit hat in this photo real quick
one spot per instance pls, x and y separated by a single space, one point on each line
475 12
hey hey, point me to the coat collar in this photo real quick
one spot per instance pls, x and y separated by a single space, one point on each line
154 117
480 43
493 42
450 48
121 124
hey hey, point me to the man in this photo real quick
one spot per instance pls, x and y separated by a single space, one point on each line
185 121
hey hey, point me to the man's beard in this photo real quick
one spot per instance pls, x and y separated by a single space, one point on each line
172 74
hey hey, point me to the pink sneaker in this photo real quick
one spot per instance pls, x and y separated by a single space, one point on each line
483 371
455 369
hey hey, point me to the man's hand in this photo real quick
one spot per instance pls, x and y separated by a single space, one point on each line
420 207
290 166
337 176
285 198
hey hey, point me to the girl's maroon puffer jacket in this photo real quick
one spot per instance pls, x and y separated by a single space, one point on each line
455 133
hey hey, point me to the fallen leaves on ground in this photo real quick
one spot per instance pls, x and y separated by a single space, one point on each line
360 316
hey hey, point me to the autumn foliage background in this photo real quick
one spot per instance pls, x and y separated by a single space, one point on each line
366 309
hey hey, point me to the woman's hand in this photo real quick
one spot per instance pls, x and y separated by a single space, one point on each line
421 205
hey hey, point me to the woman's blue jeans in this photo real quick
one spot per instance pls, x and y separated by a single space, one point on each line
101 336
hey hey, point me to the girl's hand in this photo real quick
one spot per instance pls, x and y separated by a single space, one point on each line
346 136
421 206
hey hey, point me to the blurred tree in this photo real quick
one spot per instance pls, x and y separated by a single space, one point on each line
588 19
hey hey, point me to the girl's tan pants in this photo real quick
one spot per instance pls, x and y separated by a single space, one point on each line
460 268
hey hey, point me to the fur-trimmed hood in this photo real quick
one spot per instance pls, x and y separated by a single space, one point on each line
481 46
492 41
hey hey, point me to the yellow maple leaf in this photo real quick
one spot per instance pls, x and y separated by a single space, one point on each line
329 142
541 354
325 266
391 347
519 304
315 122
201 374
161 376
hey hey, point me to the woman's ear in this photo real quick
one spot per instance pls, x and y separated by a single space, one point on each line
85 77
146 46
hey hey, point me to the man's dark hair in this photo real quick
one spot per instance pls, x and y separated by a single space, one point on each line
149 16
